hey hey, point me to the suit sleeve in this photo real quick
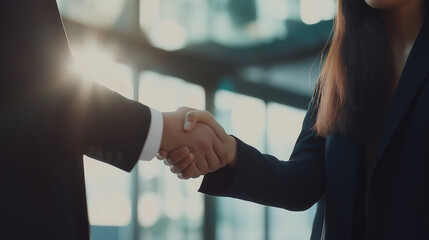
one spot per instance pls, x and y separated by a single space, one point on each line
294 185
102 124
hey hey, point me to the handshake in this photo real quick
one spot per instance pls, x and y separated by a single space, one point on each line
194 144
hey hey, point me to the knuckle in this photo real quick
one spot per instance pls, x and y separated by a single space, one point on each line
174 160
196 175
215 166
183 165
184 152
203 145
186 175
171 160
224 158
173 169
201 169
204 172
166 162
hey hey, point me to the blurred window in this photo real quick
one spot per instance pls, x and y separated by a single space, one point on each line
175 24
242 116
283 127
271 128
168 208
229 22
94 12
108 188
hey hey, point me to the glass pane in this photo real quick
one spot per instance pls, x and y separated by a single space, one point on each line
238 219
174 24
283 128
108 194
95 63
167 93
168 208
314 11
108 188
95 12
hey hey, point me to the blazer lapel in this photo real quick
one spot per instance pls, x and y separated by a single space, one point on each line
415 71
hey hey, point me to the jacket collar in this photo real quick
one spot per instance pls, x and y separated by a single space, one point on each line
415 71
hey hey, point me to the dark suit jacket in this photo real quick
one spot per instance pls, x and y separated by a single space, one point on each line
48 120
398 194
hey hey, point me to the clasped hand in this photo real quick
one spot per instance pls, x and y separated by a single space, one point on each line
194 143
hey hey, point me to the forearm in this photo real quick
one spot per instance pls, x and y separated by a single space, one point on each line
103 124
294 185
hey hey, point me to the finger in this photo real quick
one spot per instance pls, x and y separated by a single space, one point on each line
196 173
162 154
201 162
207 118
191 118
212 161
178 155
189 171
167 162
221 152
179 167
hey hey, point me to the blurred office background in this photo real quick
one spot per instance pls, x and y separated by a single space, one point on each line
253 63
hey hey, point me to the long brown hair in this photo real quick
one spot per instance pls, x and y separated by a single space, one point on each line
355 79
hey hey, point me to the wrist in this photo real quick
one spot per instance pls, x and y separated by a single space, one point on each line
166 116
172 130
231 145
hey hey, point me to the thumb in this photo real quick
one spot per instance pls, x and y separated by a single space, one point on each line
193 117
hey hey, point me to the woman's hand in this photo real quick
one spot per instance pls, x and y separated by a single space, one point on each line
229 144
182 161
207 150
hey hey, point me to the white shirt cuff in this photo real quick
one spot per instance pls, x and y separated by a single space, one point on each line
154 136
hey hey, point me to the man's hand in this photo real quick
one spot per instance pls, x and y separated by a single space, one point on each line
204 152
180 160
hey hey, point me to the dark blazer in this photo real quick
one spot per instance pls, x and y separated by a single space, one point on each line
398 194
48 121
